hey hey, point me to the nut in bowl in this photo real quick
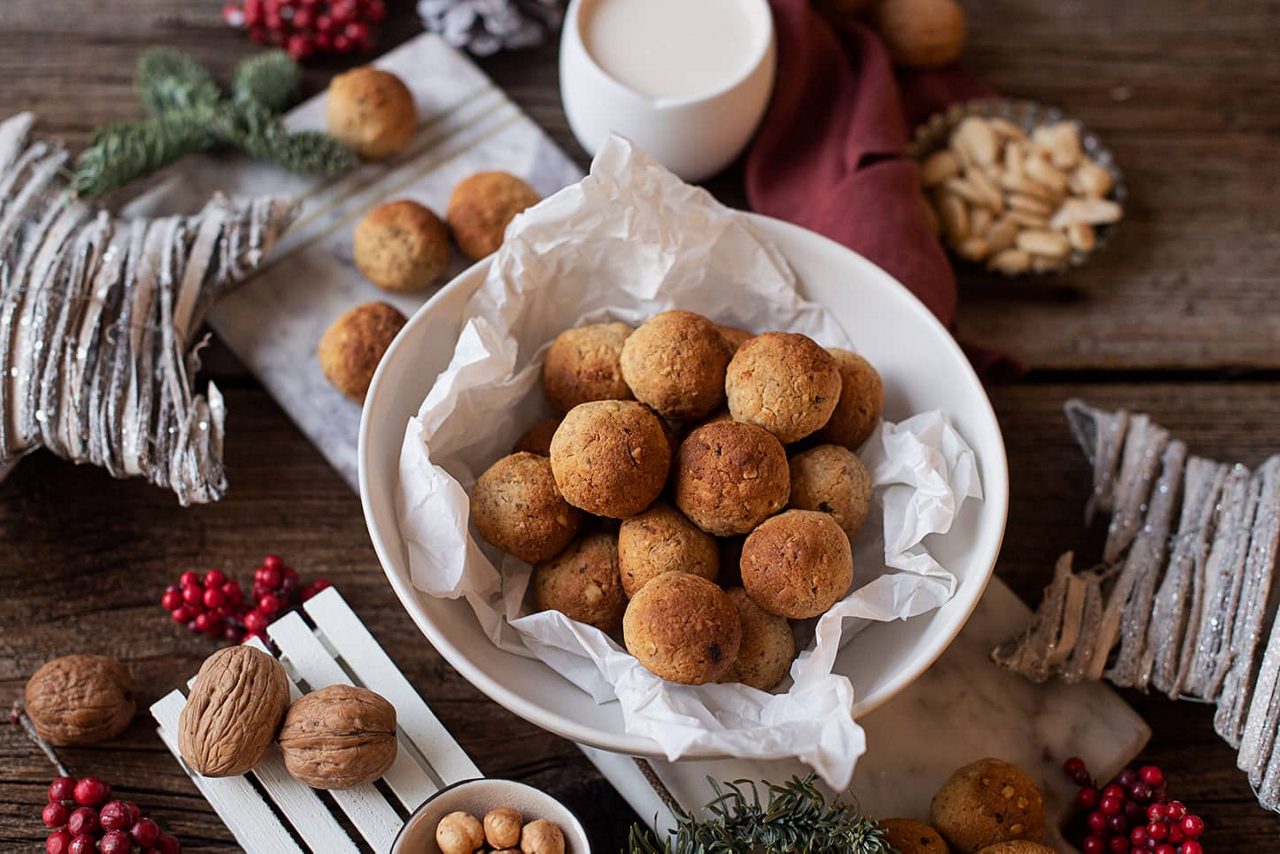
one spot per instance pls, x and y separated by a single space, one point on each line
1018 187
491 815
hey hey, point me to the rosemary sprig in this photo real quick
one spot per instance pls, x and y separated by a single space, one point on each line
795 819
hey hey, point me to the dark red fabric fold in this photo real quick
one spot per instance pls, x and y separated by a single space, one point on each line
831 153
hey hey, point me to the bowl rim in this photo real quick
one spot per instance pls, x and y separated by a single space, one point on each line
994 493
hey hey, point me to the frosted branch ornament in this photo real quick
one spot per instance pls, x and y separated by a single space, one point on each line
97 316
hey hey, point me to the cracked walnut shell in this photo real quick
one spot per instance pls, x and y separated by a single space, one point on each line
80 699
339 737
233 712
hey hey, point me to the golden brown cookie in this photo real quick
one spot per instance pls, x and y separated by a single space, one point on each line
610 457
584 364
371 112
734 337
675 363
832 479
767 647
516 507
662 540
582 582
401 246
986 802
1017 846
683 628
537 439
908 836
730 477
797 564
861 403
349 352
481 208
783 382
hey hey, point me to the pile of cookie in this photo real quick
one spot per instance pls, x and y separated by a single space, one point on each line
697 491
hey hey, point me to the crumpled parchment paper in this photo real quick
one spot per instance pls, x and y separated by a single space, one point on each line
628 241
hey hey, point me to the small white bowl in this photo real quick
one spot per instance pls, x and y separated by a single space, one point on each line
923 369
418 836
694 136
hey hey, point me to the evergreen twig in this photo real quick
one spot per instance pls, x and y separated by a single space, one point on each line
269 80
169 80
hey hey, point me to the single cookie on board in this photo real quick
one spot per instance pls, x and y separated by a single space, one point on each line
610 457
730 477
832 479
350 350
371 112
675 363
797 564
482 206
783 382
401 246
908 836
662 540
767 647
986 802
861 403
584 364
683 628
537 439
582 582
516 507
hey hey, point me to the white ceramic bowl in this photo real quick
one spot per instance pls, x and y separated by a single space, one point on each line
923 369
418 836
694 136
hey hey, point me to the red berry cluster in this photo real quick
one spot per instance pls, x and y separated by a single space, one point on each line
215 605
305 27
1133 813
83 820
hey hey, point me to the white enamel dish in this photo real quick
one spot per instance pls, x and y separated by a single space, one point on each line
923 369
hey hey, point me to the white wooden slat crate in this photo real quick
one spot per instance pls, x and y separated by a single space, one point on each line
267 810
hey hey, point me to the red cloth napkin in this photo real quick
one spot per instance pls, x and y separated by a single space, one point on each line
831 153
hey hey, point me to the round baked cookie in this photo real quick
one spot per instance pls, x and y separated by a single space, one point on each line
610 457
584 364
1017 846
783 382
516 507
797 564
861 403
767 647
986 802
734 337
662 540
683 628
730 477
582 582
350 350
537 439
401 246
908 836
832 479
482 206
675 362
371 112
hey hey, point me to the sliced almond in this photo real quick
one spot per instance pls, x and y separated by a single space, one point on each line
975 137
1017 182
973 249
1015 151
1082 236
938 167
1062 141
1006 128
972 193
990 191
1089 211
1030 204
1011 262
1002 234
1044 173
980 220
1090 179
1052 244
954 216
1026 219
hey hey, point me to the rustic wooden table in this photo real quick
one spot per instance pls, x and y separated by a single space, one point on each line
1178 317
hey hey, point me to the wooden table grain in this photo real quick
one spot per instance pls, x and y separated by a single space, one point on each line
1177 317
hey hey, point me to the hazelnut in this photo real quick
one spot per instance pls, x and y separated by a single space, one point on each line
921 33
502 827
541 837
80 699
459 833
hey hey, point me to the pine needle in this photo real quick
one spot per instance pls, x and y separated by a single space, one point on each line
269 80
169 80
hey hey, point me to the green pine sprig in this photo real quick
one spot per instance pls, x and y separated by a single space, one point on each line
796 819
188 113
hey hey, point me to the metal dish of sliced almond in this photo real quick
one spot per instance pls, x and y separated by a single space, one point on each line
1018 187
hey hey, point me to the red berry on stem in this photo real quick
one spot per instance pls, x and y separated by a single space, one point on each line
1166 848
268 577
115 842
1118 844
214 578
1094 845
1087 798
1151 775
376 11
254 622
232 591
1097 822
1192 826
1158 830
54 815
168 844
181 615
214 598
1110 804
193 595
273 562
1138 836
1118 824
1073 765
83 820
172 597
1176 810
145 832
82 844
1114 791
1140 792
58 842
91 792
269 604
1190 847
1157 812
62 789
1127 777
1176 836
115 815
188 579
206 622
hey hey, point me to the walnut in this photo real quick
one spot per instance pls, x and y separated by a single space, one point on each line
459 833
502 827
80 699
339 737
239 698
541 837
